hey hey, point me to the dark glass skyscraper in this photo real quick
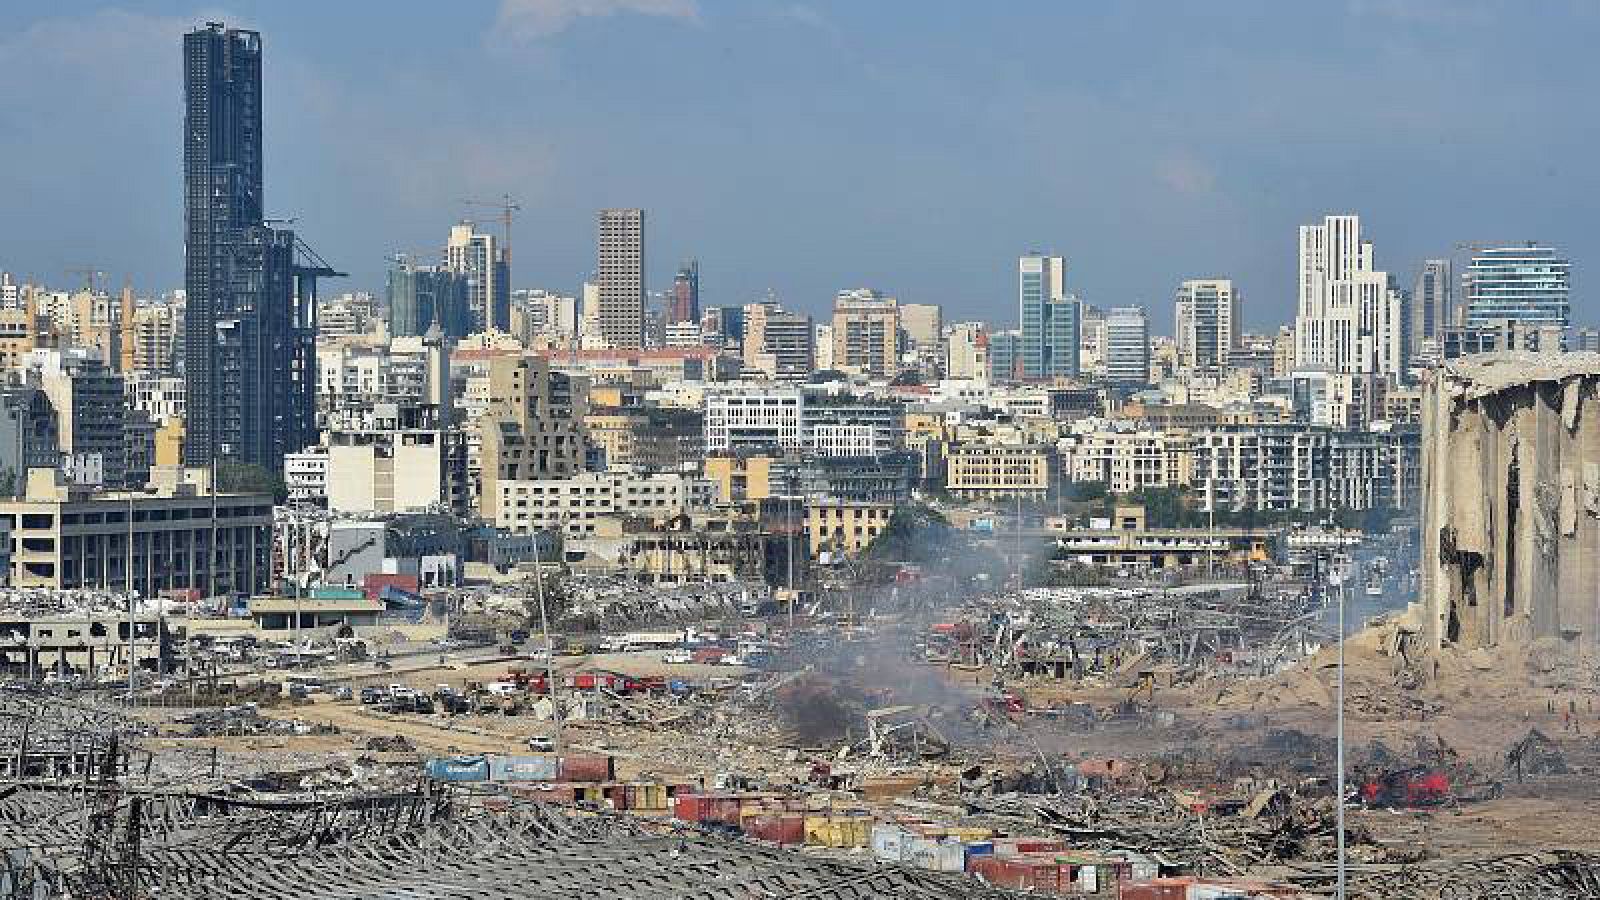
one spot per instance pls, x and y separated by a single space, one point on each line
247 341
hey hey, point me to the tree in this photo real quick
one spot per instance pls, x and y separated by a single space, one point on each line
916 534
235 477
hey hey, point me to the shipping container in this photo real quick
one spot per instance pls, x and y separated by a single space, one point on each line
1159 889
889 842
1019 872
458 768
1016 846
523 768
587 768
541 792
977 849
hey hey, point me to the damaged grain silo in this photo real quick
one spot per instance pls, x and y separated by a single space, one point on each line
1511 501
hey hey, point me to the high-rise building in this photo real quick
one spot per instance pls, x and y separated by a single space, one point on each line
1350 319
775 341
480 259
1208 324
1529 284
922 324
683 304
1091 340
1049 317
1432 303
420 296
1005 355
966 353
866 333
622 290
248 337
1127 346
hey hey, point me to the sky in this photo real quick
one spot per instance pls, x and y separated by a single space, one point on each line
913 146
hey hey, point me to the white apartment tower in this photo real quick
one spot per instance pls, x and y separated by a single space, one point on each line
1208 324
1350 318
487 268
622 290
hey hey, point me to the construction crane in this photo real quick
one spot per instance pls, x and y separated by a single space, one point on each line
508 208
89 273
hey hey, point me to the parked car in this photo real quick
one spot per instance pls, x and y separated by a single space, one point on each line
342 693
371 695
539 743
677 657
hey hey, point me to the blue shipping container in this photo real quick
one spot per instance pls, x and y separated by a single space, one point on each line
458 768
522 768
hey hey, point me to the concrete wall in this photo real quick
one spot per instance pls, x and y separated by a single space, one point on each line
1511 501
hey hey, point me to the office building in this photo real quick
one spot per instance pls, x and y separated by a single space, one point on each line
620 307
1432 304
1049 317
683 304
866 333
1350 317
67 536
776 342
1207 324
248 328
420 296
755 417
484 264
1530 284
1127 346
1005 355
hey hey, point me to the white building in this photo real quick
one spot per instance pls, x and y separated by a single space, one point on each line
754 417
160 397
305 475
1207 324
1350 317
579 506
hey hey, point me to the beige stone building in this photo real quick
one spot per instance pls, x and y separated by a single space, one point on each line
531 426
842 527
999 471
866 334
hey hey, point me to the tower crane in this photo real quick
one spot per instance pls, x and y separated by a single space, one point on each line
508 208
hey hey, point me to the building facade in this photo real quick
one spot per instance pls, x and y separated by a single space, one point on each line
1207 324
1350 317
247 333
1529 285
622 288
1049 318
1127 346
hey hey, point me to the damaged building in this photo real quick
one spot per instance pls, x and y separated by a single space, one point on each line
1511 501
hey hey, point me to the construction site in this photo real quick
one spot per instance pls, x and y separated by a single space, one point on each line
1141 739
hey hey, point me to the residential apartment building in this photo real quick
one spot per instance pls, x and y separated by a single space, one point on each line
1351 318
866 333
580 506
966 351
1208 323
531 426
621 295
844 528
479 259
776 343
982 471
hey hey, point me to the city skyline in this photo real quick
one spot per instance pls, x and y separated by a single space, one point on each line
1114 188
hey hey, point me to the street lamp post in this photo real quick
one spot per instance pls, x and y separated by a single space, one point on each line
1338 581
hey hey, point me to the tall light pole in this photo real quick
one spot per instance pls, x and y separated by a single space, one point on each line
549 648
127 568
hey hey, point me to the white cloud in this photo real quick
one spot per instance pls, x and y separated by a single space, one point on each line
534 19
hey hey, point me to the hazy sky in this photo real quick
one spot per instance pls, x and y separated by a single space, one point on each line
916 146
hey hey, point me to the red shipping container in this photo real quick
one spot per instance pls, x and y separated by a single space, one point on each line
1020 872
559 794
586 768
690 807
724 810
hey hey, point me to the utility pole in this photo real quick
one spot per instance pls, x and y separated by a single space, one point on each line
127 568
1339 776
